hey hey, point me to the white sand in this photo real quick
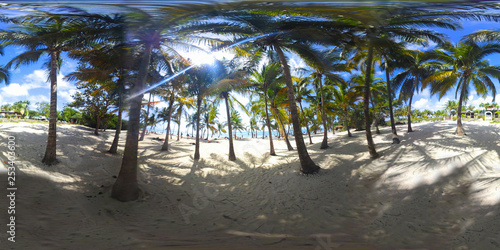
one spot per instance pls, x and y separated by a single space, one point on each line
433 191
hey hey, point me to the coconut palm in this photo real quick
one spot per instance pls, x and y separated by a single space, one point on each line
46 34
417 66
231 79
287 33
371 28
467 67
262 80
327 64
303 92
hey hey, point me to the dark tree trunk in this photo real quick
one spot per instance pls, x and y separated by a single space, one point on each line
285 136
268 123
306 163
126 187
145 120
395 137
179 119
409 104
324 143
96 132
366 102
164 147
307 123
197 144
460 127
50 151
114 145
232 156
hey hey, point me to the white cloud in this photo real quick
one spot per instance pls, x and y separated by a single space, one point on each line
421 104
430 45
38 98
14 89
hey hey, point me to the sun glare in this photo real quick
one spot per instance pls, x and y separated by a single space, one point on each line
201 58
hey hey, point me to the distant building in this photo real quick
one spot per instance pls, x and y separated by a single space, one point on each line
10 114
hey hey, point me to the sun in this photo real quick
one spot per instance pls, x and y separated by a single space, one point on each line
201 58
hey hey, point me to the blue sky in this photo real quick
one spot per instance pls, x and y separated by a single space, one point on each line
30 82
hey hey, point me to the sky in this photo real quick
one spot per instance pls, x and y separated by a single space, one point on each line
29 82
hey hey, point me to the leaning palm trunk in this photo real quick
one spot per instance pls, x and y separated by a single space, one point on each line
324 143
346 122
114 145
145 120
307 124
395 138
169 116
460 127
197 144
366 102
285 136
306 163
232 156
268 124
375 119
50 150
409 105
126 187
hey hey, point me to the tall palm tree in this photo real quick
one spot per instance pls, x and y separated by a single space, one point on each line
278 34
369 31
417 66
324 63
302 91
46 34
344 98
262 80
230 79
467 67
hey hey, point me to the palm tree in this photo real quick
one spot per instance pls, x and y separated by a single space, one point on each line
302 91
46 34
417 66
324 63
262 80
230 79
370 30
344 98
467 65
284 33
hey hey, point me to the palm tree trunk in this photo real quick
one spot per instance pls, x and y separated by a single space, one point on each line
232 156
285 136
324 143
395 137
114 145
197 144
164 147
50 150
366 102
145 120
268 123
179 119
306 163
307 123
460 127
409 104
375 118
126 187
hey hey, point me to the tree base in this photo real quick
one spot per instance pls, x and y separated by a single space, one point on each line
395 141
310 170
125 193
50 162
374 156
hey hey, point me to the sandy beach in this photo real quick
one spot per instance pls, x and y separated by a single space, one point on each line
435 190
